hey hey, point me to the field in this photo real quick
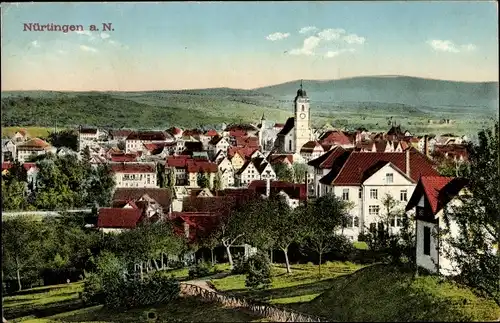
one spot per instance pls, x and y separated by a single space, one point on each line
360 102
40 132
345 292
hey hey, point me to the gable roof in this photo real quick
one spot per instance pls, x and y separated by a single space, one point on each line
162 196
358 163
147 136
438 191
215 140
120 218
34 144
211 133
88 130
290 123
309 146
122 158
282 158
201 167
326 160
120 133
335 137
133 168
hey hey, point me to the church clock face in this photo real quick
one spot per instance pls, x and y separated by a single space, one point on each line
302 115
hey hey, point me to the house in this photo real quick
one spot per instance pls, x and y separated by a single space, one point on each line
311 150
116 220
175 132
179 165
286 159
154 197
220 155
226 172
194 225
134 174
31 148
136 140
9 152
87 137
253 169
294 194
432 202
195 168
336 138
365 179
20 136
64 151
217 144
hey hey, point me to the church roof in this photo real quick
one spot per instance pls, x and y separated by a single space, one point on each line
290 123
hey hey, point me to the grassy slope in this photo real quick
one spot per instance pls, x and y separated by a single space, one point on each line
40 132
301 286
383 293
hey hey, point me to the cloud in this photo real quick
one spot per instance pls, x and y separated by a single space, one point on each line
305 30
310 43
105 35
62 51
354 39
443 46
35 44
277 36
331 34
469 47
88 49
331 54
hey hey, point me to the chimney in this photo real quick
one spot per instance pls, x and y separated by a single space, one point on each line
426 146
268 186
407 152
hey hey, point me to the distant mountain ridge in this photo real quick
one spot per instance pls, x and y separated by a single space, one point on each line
393 89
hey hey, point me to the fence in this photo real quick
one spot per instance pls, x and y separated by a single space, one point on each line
271 312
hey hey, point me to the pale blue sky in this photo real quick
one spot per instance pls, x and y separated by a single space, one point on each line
245 45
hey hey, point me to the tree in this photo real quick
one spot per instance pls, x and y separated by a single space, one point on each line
218 182
202 180
283 172
65 138
211 241
52 191
299 172
101 185
475 249
232 228
258 271
453 168
21 242
121 145
288 229
13 195
86 156
161 175
322 220
170 180
16 172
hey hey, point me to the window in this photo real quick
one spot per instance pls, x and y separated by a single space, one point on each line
374 194
349 222
374 210
356 222
345 194
427 241
389 178
302 108
360 193
290 145
403 195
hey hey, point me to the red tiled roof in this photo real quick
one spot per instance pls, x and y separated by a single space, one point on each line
247 141
359 162
120 133
244 152
132 168
310 146
177 161
335 137
23 132
294 191
123 218
174 131
34 144
211 133
327 160
147 136
200 223
237 133
201 167
160 195
438 190
276 159
192 132
122 158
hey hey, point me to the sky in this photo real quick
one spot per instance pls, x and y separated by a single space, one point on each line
186 45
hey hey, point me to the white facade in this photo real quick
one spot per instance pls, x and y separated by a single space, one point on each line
367 207
302 128
226 172
24 154
221 145
125 179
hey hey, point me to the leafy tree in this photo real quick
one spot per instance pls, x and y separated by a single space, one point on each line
451 168
101 185
475 249
52 191
232 229
258 271
323 219
16 172
170 177
65 138
202 180
299 172
13 195
21 240
160 175
211 241
283 172
86 156
218 182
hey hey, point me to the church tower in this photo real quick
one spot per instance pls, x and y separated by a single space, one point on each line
302 113
261 132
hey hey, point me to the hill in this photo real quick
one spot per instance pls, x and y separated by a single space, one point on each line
382 293
405 90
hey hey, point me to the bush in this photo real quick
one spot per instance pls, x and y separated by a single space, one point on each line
258 271
239 267
201 269
93 292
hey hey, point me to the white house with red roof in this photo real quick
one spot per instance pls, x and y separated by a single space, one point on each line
195 167
364 179
432 201
254 169
116 220
134 174
226 172
216 144
8 150
294 194
136 140
32 148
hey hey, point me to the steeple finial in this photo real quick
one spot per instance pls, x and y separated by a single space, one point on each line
263 118
301 85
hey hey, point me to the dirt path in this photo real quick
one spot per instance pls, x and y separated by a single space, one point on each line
205 281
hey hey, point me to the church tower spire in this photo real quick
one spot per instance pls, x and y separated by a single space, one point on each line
302 131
